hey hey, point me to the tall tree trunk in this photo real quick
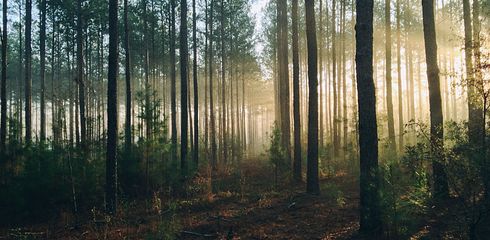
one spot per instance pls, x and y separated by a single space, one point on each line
212 130
475 112
436 118
399 78
146 66
282 44
3 87
20 77
206 62
127 73
296 97
42 49
336 142
345 127
312 184
320 73
370 215
196 97
28 73
80 78
173 88
183 88
111 162
389 97
223 85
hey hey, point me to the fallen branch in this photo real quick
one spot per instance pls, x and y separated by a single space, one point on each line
199 234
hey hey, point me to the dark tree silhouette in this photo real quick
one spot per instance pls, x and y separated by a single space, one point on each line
370 216
42 74
111 161
183 88
127 72
28 72
312 184
296 96
3 87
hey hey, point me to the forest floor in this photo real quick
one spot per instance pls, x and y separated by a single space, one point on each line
246 205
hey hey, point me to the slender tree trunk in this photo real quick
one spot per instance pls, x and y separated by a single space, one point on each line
475 112
401 124
370 216
183 88
334 84
80 78
312 184
389 93
173 88
282 36
436 118
3 87
127 73
28 73
212 129
42 50
206 62
111 162
223 85
296 97
344 84
196 97
20 77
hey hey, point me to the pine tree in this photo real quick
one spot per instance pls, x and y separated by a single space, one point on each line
111 161
370 215
312 183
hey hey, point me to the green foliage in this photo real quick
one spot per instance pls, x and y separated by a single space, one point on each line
276 151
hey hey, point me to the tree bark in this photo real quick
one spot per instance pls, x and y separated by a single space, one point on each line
42 50
183 88
436 118
401 124
28 72
80 78
3 87
111 162
312 184
196 96
127 72
173 89
282 44
389 97
296 96
370 216
212 130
